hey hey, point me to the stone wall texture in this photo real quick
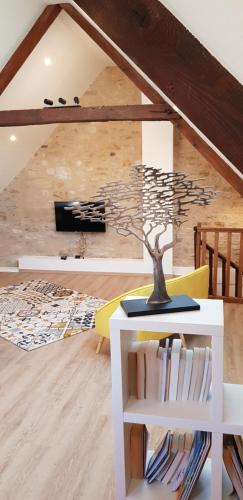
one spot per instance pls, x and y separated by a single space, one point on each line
75 161
225 211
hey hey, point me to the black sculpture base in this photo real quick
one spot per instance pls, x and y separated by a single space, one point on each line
140 307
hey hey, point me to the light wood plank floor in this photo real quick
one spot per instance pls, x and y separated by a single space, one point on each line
55 412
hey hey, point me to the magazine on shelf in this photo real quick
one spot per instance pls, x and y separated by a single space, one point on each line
195 365
178 461
182 366
200 373
187 374
174 368
169 373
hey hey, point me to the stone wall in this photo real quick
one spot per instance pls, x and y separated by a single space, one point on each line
225 211
75 161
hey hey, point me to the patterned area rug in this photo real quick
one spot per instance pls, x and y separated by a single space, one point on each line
36 313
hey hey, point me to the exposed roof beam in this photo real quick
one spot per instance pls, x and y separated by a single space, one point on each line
179 65
192 136
28 44
35 35
114 54
211 156
77 114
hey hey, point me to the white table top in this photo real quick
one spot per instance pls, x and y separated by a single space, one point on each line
209 320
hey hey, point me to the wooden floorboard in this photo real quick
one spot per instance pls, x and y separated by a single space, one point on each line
55 412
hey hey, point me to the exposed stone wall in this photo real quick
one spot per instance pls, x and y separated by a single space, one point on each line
75 161
225 211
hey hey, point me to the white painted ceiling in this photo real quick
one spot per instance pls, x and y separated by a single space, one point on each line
218 24
16 19
76 62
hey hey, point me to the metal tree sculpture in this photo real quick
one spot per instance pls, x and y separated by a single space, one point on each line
144 208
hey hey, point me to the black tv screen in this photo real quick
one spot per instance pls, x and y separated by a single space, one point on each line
65 220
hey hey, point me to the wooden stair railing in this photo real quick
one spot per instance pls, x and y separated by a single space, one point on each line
204 253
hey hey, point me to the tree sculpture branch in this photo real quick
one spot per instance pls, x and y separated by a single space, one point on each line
144 208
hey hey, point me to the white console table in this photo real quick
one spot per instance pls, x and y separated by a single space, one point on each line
223 413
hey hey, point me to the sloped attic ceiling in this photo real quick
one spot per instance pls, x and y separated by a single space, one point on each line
198 20
16 18
218 25
75 63
150 42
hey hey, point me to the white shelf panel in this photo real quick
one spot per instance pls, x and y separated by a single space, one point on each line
233 409
209 320
190 415
140 490
187 414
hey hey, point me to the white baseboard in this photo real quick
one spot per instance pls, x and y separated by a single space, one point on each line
45 263
9 269
123 266
87 265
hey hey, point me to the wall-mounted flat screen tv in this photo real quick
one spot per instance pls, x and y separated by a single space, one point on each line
65 220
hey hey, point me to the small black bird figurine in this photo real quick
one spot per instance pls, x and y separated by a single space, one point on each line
76 100
62 101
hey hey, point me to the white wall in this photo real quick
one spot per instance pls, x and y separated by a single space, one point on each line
157 151
76 62
16 19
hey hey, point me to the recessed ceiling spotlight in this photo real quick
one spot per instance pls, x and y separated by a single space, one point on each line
47 61
13 138
175 107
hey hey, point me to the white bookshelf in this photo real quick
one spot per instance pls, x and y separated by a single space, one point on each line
223 413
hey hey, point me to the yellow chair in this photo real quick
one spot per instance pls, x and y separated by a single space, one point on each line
194 284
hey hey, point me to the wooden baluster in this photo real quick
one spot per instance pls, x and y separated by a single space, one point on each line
195 245
223 276
228 259
236 281
210 261
198 246
239 291
204 237
215 263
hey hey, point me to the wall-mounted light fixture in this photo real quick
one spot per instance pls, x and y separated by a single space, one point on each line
49 102
62 101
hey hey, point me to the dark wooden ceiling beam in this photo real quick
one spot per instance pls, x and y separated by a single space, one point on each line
192 136
179 65
78 114
35 35
28 44
114 54
211 156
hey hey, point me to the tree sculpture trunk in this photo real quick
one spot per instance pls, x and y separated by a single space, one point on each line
159 294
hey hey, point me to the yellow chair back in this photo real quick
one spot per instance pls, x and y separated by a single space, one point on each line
194 284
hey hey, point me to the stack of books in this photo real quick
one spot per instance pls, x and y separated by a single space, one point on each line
233 460
179 460
170 373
